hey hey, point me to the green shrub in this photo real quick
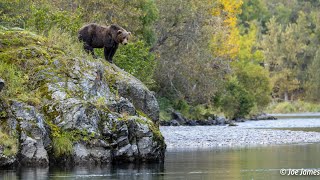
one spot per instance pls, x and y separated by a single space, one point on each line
182 106
237 102
136 59
166 108
255 80
40 15
197 112
13 13
293 107
202 112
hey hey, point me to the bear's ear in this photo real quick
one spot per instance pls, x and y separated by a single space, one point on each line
119 31
129 33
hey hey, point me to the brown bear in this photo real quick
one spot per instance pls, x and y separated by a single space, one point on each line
107 37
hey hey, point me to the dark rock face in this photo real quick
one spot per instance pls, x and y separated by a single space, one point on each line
240 120
262 116
3 111
5 160
91 155
191 123
94 113
179 120
208 122
33 134
221 120
164 123
137 93
174 123
1 84
232 123
178 117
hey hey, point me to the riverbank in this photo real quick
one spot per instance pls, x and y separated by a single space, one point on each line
247 134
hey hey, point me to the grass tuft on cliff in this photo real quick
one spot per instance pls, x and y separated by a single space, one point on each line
62 145
8 143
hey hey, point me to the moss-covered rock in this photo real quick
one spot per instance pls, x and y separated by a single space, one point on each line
72 108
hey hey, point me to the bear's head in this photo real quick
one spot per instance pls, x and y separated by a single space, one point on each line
123 36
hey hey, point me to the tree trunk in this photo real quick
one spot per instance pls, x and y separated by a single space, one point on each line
286 96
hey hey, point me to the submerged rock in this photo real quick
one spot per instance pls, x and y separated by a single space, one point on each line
88 111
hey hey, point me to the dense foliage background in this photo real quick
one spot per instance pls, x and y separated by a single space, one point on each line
200 57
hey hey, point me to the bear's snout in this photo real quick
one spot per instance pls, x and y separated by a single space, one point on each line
125 42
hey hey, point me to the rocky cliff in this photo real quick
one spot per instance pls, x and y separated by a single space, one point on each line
56 107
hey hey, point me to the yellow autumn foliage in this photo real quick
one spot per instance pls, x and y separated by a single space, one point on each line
225 42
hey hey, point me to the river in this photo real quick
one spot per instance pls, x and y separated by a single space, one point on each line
226 162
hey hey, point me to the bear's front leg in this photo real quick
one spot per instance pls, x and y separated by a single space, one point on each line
113 51
107 54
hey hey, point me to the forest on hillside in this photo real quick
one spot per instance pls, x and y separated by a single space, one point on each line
236 57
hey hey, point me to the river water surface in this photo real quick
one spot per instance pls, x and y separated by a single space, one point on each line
259 162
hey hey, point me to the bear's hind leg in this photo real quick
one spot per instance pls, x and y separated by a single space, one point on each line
90 50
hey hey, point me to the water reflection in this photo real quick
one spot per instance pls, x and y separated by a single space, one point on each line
24 173
241 163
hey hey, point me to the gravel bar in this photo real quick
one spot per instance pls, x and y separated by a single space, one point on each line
245 135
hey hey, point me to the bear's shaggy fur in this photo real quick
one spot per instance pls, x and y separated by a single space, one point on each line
107 37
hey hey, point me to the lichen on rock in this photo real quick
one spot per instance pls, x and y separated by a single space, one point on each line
61 108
